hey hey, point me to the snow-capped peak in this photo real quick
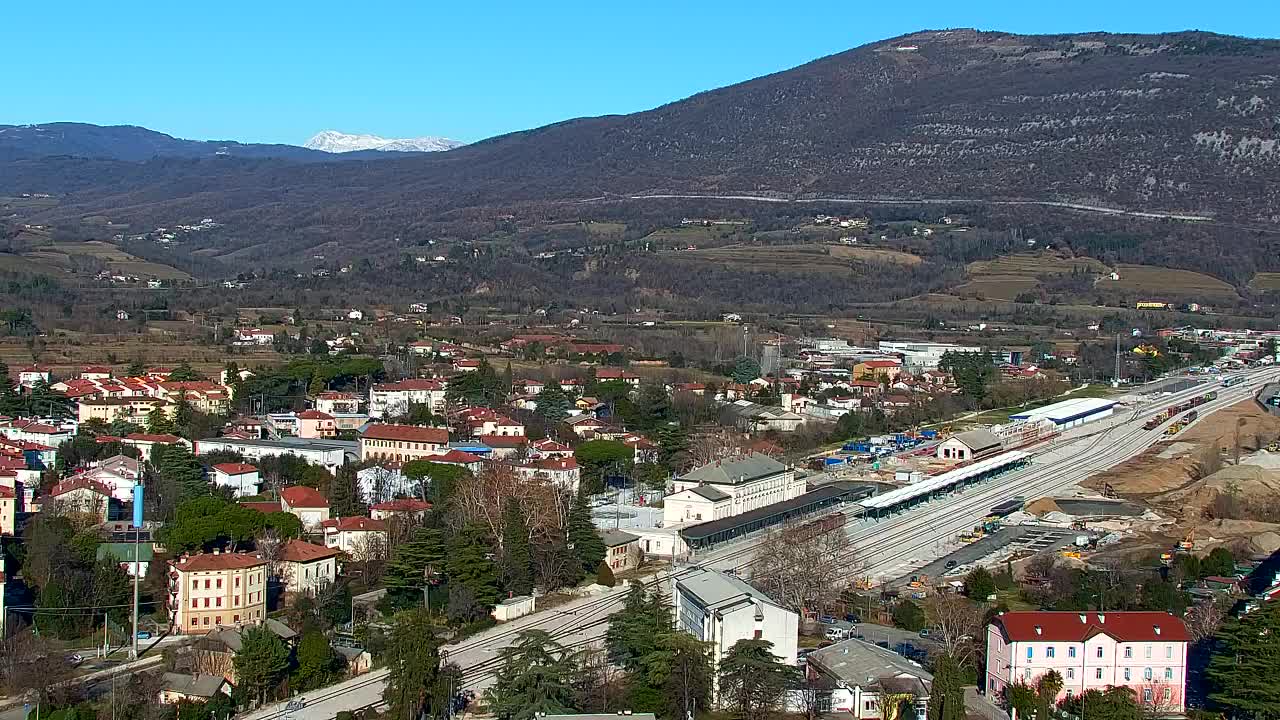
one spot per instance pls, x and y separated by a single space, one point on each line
339 142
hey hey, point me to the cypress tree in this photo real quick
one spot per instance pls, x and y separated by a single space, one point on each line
517 557
583 538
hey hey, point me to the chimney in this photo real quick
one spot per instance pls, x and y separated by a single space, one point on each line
1039 630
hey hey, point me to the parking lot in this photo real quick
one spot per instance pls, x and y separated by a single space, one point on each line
1006 541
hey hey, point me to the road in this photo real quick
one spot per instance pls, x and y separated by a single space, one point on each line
881 548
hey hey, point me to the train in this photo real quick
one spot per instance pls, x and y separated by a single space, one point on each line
821 526
1174 410
1232 380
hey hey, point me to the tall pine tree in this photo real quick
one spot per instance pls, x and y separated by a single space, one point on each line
406 573
517 557
946 699
345 498
582 536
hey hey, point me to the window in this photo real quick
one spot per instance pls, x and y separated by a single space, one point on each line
1127 677
1147 652
1167 694
1030 652
1146 674
1146 695
219 583
237 581
1026 673
1049 652
206 602
1128 652
1168 673
1098 674
1069 693
206 583
219 602
235 618
1071 652
1071 673
206 619
217 620
1168 652
195 584
758 635
1099 651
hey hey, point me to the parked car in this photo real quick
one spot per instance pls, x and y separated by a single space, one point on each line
951 564
75 659
827 620
924 633
835 634
852 618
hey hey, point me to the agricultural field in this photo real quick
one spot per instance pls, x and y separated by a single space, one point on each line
691 235
996 287
1265 282
780 258
871 254
1033 265
86 258
1158 282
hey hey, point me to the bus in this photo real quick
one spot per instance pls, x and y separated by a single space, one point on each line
1232 380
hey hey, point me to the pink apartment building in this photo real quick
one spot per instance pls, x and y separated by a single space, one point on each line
1145 651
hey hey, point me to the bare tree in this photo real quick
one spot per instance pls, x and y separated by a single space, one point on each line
600 685
368 556
1204 619
1156 699
482 499
714 445
956 623
805 566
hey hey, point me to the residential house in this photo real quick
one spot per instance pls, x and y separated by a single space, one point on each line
504 446
243 478
119 473
563 472
147 442
465 365
410 509
215 589
622 550
721 609
95 372
335 403
752 480
394 399
1141 650
81 495
402 442
316 424
605 374
644 449
329 454
753 417
134 410
203 395
307 504
585 426
855 676
180 687
8 513
548 448
254 336
34 431
305 567
875 369
459 458
359 537
33 375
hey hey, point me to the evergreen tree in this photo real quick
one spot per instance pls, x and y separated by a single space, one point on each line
184 373
135 368
552 403
406 572
176 465
159 422
261 662
582 536
345 498
414 687
1245 664
946 698
517 556
753 680
979 584
745 370
678 671
536 676
469 567
317 664
633 631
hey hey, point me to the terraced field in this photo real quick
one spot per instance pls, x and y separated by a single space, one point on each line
1265 282
1160 282
795 258
1033 265
83 257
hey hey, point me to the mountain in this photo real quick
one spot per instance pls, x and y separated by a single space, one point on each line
133 144
332 141
1186 122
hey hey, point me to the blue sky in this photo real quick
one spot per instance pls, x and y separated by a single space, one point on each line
281 70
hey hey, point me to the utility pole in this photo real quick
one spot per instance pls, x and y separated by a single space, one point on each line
1116 381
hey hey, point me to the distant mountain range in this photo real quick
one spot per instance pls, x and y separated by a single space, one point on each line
1183 122
134 144
332 141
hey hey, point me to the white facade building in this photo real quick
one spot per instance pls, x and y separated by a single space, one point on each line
750 481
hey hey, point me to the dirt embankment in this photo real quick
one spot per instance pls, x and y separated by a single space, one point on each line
1187 476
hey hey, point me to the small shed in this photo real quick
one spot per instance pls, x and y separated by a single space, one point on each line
513 607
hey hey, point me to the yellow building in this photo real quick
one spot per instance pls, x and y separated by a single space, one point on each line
217 589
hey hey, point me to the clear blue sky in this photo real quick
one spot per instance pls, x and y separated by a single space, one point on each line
280 70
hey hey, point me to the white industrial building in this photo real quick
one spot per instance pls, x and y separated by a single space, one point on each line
1069 413
330 454
919 356
721 609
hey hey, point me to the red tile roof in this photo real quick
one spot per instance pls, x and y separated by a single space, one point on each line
235 468
219 561
881 363
301 496
164 439
549 445
6 492
407 433
1136 626
77 483
264 506
455 457
303 551
566 463
402 505
314 415
354 524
